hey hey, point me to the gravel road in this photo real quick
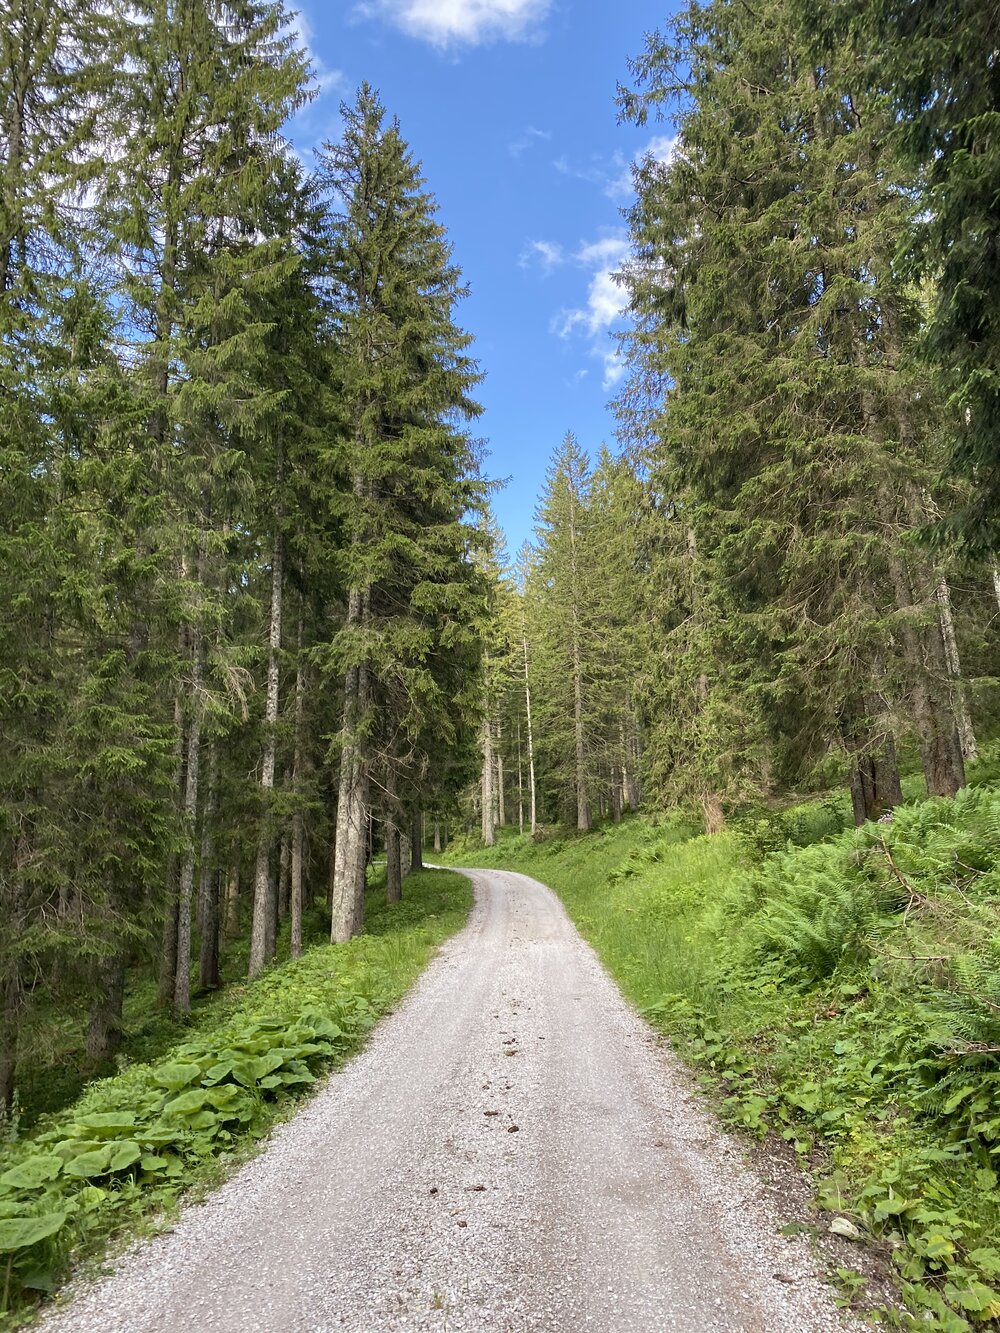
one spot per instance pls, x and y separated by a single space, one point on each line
513 1152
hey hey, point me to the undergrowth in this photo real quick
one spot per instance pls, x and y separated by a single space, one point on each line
134 1142
837 987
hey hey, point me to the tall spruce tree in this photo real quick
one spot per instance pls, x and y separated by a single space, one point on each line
404 377
792 399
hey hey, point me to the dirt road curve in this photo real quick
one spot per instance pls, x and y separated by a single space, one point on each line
512 1153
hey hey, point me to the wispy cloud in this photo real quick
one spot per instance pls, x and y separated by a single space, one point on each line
614 173
661 148
529 139
447 23
545 255
605 301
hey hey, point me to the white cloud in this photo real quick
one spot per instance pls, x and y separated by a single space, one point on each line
661 148
462 22
528 139
547 254
614 174
605 303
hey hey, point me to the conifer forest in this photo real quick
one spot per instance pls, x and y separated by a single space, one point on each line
264 648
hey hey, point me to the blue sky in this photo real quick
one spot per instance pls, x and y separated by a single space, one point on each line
510 107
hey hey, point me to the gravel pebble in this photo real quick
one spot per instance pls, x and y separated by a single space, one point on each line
434 1184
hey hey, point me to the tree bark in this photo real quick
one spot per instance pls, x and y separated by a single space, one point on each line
264 906
233 904
923 650
486 786
297 822
437 835
579 745
348 889
966 734
501 802
11 1003
104 1029
531 738
417 841
182 975
393 862
208 890
875 784
285 876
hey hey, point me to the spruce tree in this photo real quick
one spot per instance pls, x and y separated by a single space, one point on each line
403 376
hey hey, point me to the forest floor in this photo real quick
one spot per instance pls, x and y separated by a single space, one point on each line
514 1150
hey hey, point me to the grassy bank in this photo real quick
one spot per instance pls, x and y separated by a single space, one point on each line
135 1142
838 987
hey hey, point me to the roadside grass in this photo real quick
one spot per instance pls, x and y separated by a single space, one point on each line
135 1144
837 987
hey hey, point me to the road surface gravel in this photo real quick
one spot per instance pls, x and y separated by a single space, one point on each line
512 1152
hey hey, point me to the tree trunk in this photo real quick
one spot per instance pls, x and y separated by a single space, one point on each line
285 875
185 893
582 804
486 785
168 938
923 650
297 821
208 889
966 735
393 862
582 801
104 1030
417 841
233 904
264 907
616 797
11 1003
527 718
501 802
875 784
297 893
348 889
437 835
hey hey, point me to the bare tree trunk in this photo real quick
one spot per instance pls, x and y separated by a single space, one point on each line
417 841
233 904
208 955
437 835
531 738
11 1004
501 802
520 784
263 885
208 888
104 1029
393 862
182 974
285 875
923 650
486 783
616 797
875 785
347 891
297 829
168 938
582 802
966 735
